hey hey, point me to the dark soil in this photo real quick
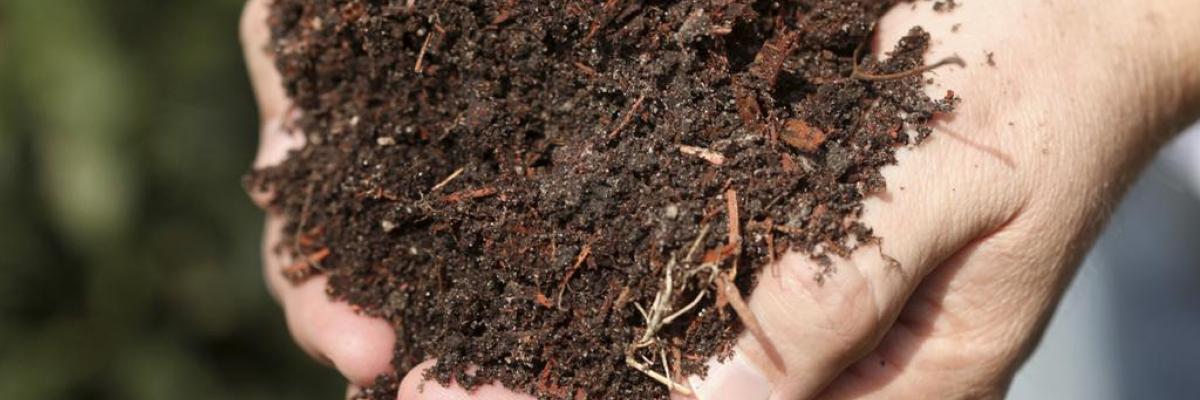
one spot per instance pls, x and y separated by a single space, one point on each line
507 182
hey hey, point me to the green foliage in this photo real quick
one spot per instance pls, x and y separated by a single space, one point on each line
128 252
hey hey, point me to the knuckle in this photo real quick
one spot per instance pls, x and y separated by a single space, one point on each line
838 300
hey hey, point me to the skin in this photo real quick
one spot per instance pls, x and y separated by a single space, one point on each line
988 219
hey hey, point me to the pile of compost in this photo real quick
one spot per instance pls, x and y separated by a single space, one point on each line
571 198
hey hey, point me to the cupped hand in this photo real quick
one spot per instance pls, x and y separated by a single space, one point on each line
1063 103
358 346
331 332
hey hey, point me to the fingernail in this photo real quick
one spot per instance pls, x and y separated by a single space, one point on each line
736 378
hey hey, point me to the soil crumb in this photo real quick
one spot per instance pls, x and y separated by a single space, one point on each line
548 194
945 5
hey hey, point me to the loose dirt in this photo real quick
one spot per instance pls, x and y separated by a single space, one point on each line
571 197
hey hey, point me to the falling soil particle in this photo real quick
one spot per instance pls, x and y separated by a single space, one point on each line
549 194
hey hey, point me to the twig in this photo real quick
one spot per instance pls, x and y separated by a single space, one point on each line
585 68
469 194
637 105
712 275
750 321
672 385
309 261
710 267
303 217
662 301
319 255
660 306
421 55
792 230
666 366
771 247
446 181
303 268
655 320
642 311
735 230
955 60
601 22
696 244
562 287
731 205
670 318
712 157
866 76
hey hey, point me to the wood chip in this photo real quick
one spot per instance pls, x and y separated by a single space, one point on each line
562 287
747 106
769 60
637 106
541 300
712 157
470 194
446 181
421 55
801 135
735 230
750 321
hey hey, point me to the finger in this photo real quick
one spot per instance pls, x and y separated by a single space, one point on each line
274 141
256 35
974 320
956 337
352 391
415 387
359 347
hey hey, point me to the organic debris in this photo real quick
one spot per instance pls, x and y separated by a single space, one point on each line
573 199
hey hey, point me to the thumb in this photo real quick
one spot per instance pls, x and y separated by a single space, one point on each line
820 319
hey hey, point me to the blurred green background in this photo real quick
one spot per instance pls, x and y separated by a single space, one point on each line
128 252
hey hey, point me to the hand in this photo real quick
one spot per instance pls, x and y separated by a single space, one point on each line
331 332
358 346
991 216
987 219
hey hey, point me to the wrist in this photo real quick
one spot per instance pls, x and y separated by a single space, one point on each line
1163 34
1133 84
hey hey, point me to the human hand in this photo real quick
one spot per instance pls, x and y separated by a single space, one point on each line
332 332
988 218
985 245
